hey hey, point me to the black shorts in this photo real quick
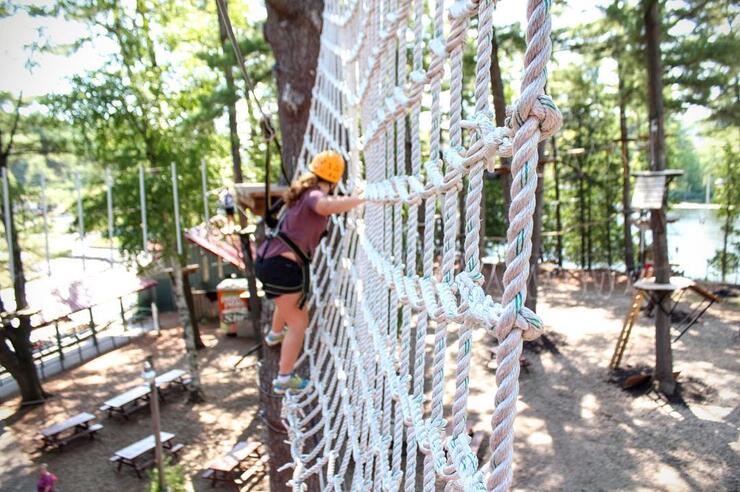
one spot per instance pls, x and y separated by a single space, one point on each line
229 211
279 276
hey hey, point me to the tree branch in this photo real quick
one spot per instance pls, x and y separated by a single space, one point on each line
6 152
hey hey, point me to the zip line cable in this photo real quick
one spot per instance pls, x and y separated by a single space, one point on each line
268 130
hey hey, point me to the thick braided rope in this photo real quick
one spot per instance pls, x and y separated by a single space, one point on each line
519 237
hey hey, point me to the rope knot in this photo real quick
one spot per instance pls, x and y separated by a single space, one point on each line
526 320
496 141
543 109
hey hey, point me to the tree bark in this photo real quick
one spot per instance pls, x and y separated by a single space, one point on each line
194 388
629 254
558 216
19 361
235 144
531 301
271 405
663 353
188 291
582 212
293 30
499 107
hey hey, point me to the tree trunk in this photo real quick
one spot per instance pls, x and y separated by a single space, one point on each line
499 107
236 158
589 227
195 389
19 361
558 217
293 30
531 301
629 254
271 405
582 213
727 228
188 291
661 266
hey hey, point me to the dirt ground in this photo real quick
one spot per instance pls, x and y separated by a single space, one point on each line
576 430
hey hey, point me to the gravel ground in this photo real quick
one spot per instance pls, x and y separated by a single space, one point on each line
576 430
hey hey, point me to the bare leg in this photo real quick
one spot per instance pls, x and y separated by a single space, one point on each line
278 323
297 321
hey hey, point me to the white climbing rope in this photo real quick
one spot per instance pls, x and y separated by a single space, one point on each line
382 282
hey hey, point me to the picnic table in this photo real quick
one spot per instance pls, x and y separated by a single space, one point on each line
244 460
140 455
128 402
62 433
172 379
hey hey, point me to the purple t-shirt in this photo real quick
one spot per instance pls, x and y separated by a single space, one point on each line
301 224
45 481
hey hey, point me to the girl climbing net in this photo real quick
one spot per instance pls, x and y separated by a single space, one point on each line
283 260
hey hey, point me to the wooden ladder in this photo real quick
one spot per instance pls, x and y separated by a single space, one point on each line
624 335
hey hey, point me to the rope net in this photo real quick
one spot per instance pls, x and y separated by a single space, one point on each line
383 281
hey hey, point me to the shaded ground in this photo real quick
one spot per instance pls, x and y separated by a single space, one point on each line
207 429
576 431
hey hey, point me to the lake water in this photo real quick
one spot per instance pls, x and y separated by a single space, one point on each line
693 240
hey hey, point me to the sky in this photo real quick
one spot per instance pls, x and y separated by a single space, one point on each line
50 72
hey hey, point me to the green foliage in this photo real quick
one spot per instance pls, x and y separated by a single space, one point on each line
700 47
174 477
728 196
152 119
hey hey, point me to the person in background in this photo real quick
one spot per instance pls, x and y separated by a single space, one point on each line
46 479
283 260
227 202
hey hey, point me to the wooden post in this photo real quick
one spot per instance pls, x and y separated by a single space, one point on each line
194 388
150 375
663 353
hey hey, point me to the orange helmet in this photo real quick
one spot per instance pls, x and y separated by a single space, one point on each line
328 165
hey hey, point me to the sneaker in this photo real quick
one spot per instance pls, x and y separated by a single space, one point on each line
273 339
295 383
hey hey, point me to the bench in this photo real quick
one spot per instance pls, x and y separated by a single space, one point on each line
62 433
174 451
127 403
243 461
140 455
260 466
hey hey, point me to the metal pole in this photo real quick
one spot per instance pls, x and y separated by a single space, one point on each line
155 317
46 223
142 204
80 217
150 374
109 199
8 232
204 185
176 203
